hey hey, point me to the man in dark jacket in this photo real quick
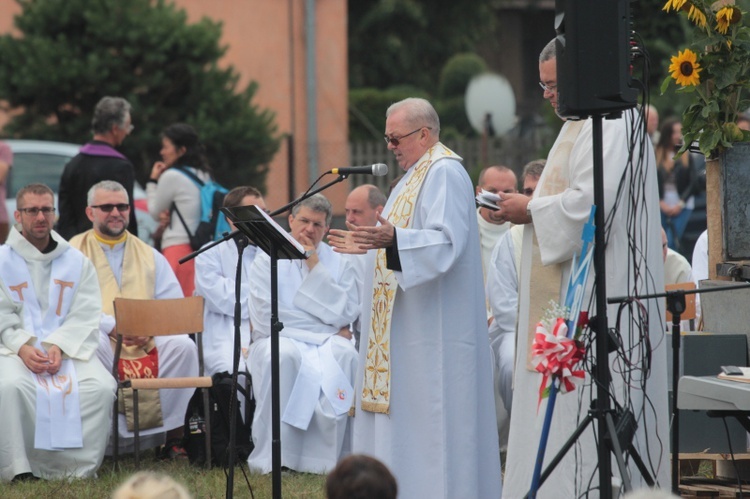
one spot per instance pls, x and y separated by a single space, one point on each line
98 160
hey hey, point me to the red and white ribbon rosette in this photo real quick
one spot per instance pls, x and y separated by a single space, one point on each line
555 355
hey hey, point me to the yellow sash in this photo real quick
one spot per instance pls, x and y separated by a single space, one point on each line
377 380
137 281
545 281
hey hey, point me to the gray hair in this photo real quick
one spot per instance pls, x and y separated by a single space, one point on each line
105 185
533 169
375 196
317 203
548 52
109 112
420 113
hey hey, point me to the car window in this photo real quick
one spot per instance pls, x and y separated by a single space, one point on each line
35 167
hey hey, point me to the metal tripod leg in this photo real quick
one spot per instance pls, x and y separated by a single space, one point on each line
564 450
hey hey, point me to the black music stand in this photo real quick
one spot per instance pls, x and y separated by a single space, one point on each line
279 245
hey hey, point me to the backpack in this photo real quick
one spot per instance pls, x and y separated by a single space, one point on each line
213 223
194 441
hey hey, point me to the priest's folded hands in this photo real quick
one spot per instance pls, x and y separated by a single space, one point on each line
357 240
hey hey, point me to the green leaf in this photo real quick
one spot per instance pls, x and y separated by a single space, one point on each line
665 84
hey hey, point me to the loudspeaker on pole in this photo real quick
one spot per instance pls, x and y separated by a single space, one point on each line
593 57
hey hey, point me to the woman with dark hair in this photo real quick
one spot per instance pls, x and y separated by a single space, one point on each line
172 188
677 182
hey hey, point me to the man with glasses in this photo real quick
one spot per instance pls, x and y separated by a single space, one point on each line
425 376
554 218
317 300
127 267
98 160
55 396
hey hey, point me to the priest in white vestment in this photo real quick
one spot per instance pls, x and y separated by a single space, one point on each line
129 268
215 272
555 217
317 301
424 386
55 396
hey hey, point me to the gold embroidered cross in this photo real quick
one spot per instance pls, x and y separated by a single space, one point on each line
63 285
19 289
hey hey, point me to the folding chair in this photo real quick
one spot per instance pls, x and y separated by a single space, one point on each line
159 318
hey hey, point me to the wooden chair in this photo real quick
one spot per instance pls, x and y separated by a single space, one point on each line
159 318
689 313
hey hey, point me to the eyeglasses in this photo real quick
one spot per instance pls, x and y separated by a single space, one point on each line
395 141
107 208
548 88
34 212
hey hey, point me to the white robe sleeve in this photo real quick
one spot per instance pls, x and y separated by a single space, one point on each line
700 259
429 251
259 304
318 308
334 302
502 287
12 336
559 219
216 288
78 337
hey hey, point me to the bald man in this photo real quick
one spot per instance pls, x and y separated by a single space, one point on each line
364 204
492 224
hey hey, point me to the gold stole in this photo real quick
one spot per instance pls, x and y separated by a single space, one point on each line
377 379
137 281
546 280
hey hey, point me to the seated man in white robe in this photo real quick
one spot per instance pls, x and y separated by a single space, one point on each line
55 396
502 296
127 267
215 272
317 302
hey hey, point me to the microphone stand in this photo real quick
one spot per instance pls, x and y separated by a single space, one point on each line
276 327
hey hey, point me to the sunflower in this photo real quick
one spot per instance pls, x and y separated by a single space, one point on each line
723 18
673 4
697 16
685 68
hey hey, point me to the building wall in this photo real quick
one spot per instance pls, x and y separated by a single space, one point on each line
266 42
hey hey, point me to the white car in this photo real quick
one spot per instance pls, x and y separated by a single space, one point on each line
43 162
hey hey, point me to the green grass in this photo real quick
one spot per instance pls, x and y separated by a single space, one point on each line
200 482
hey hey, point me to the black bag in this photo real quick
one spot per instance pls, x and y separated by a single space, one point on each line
218 398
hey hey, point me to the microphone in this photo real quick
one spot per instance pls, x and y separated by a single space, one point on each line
378 169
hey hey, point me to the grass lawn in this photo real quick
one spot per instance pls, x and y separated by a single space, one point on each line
200 482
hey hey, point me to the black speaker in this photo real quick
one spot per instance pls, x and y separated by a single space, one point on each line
593 57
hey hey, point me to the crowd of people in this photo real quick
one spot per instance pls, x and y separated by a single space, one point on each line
406 337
